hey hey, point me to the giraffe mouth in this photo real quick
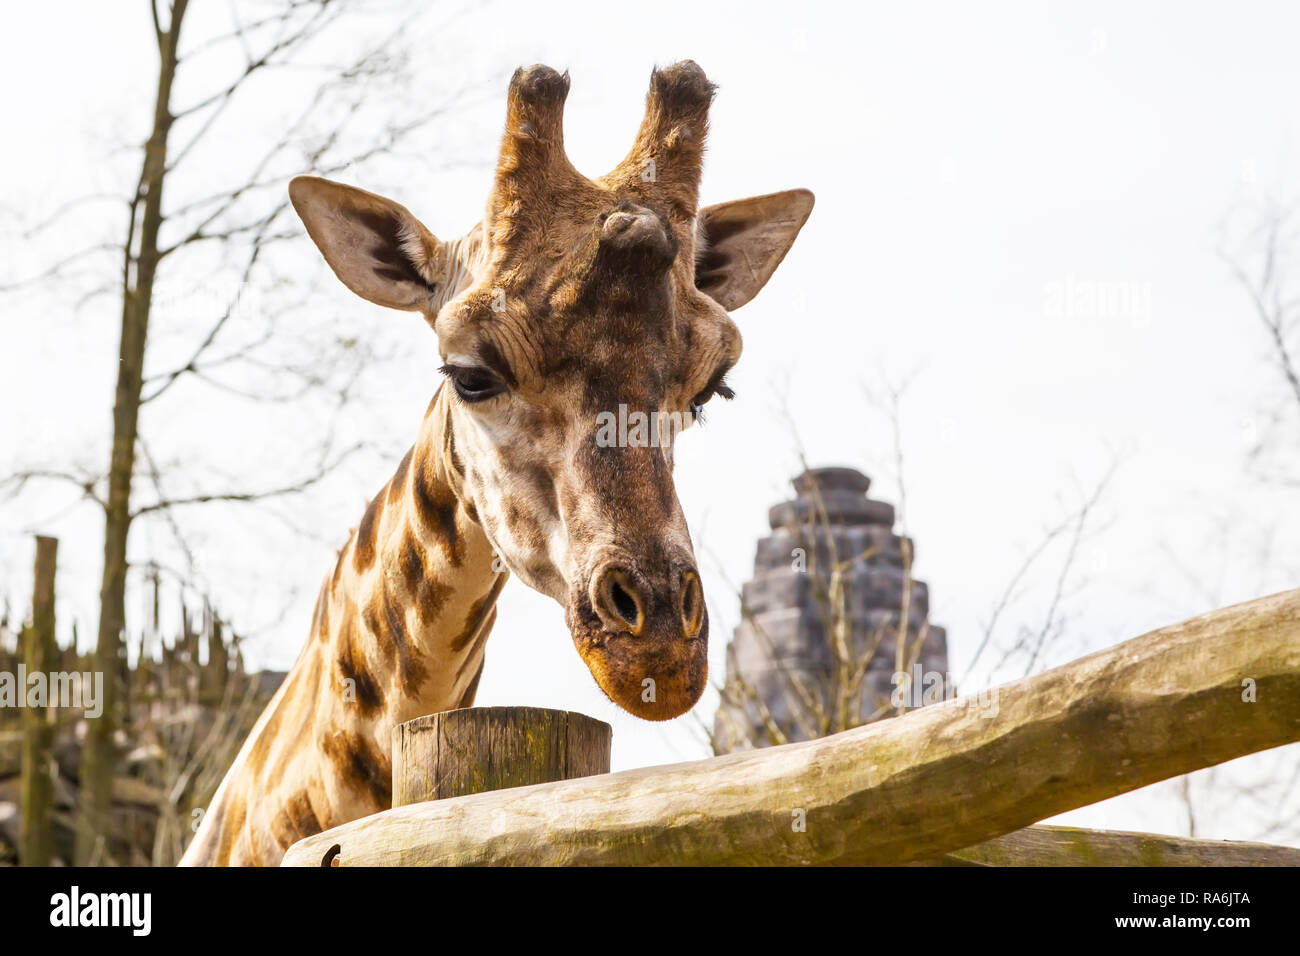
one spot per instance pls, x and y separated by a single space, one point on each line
643 634
656 674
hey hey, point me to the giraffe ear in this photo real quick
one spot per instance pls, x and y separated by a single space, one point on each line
375 246
739 244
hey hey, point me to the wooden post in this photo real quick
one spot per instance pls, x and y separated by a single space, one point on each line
474 749
40 655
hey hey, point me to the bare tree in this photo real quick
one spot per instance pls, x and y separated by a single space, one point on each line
815 702
172 254
1260 245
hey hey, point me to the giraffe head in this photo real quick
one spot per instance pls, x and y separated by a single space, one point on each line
582 324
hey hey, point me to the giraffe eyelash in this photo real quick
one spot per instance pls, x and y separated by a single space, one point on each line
718 387
473 385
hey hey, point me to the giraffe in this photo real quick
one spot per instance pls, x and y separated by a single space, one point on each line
571 299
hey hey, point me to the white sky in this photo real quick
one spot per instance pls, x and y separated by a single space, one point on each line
969 162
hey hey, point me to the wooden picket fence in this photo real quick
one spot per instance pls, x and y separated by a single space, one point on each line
184 705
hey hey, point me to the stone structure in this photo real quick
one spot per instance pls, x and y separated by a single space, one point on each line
782 655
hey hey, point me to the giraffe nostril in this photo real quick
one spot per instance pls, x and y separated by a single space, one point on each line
692 605
619 603
624 603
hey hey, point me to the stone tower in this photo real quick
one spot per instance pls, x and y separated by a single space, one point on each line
832 557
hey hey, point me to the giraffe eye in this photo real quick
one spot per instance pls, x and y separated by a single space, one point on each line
473 384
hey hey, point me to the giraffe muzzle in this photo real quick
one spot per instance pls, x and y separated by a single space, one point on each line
646 646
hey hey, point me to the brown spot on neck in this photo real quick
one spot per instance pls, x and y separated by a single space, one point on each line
398 482
363 547
405 654
467 698
475 652
427 594
437 506
477 615
352 667
295 821
360 765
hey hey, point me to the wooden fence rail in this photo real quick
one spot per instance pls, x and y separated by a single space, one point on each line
1075 846
914 788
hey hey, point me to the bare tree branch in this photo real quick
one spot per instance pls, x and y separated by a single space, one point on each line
245 497
85 483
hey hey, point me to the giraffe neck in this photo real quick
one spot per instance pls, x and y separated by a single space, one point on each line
398 631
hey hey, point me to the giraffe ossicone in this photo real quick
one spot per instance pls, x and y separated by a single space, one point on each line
574 300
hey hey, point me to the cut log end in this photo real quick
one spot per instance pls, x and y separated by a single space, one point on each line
476 749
